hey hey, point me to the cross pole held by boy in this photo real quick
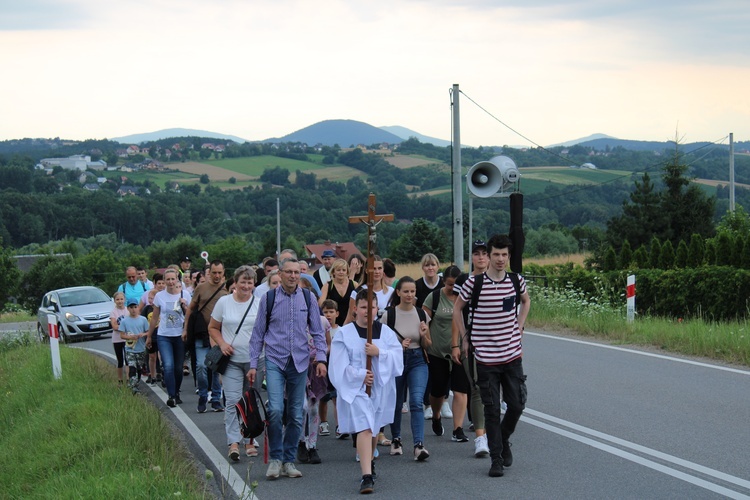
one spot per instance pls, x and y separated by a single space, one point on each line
372 222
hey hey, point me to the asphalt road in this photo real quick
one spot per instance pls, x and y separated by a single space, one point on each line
601 422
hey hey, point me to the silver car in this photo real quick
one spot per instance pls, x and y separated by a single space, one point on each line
81 311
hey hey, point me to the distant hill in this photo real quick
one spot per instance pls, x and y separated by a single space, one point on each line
174 132
660 146
406 133
345 133
582 140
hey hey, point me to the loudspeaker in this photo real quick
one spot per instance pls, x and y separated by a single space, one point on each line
486 178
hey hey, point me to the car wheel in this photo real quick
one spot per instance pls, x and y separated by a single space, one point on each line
43 338
64 339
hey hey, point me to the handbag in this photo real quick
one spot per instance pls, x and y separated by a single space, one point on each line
217 361
196 323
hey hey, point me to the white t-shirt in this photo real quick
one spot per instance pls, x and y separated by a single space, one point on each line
229 312
383 296
171 317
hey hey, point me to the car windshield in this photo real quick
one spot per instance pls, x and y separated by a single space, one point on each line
81 297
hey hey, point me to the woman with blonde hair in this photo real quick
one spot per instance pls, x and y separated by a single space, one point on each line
339 289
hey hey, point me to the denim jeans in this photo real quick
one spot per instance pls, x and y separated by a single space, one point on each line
201 373
172 352
415 378
498 382
283 440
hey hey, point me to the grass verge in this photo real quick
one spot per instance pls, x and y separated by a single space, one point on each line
569 309
82 436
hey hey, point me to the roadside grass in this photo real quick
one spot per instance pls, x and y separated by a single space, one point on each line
82 436
17 317
568 309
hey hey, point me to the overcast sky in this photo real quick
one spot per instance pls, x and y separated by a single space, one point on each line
552 70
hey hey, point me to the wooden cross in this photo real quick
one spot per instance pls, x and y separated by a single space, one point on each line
372 222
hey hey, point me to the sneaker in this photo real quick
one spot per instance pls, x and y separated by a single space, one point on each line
459 436
202 404
177 399
367 485
274 469
290 470
171 403
303 456
372 471
420 453
150 380
445 410
506 454
340 435
496 469
314 457
437 426
324 429
234 452
405 408
428 412
217 406
480 447
396 448
471 426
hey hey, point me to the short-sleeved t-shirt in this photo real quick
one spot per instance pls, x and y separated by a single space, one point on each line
117 315
135 325
495 333
441 325
406 324
229 313
171 315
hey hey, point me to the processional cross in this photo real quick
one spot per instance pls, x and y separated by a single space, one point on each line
372 221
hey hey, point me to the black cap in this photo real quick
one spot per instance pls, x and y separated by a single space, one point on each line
185 259
477 245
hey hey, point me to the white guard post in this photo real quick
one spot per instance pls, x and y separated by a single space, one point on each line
54 344
631 298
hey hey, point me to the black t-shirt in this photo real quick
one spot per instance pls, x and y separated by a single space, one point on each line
423 291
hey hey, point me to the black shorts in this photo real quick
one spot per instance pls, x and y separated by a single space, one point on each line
154 348
444 375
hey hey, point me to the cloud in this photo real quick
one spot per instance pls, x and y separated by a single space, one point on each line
24 15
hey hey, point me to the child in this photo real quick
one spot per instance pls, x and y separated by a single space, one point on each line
134 328
358 412
330 311
118 343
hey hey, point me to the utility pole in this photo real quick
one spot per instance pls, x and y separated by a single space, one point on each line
731 172
458 213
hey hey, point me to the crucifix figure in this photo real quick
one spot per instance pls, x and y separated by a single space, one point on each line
372 221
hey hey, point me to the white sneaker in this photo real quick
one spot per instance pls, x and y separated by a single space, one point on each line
274 469
405 408
324 429
428 413
445 410
480 447
290 470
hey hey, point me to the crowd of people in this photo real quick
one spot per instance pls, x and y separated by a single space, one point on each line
303 339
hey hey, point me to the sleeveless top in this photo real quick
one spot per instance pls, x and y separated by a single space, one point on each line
342 302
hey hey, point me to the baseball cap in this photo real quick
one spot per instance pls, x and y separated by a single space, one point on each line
185 259
477 245
132 302
328 253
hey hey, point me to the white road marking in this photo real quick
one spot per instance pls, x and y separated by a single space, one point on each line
234 480
642 353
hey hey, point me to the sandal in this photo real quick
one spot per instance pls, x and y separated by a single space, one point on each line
185 371
251 450
382 440
234 452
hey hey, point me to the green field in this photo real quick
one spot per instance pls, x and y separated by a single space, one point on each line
159 178
255 165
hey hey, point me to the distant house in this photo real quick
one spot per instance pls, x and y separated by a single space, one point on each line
133 150
341 250
91 186
219 148
75 162
122 153
208 145
128 190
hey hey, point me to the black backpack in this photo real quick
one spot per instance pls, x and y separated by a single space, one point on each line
271 299
249 409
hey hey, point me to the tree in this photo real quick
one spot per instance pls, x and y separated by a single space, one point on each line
48 273
9 277
724 244
204 179
233 180
276 175
681 256
666 259
696 251
640 257
626 255
641 218
609 262
420 238
654 254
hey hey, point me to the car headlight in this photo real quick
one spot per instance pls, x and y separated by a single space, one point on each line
71 317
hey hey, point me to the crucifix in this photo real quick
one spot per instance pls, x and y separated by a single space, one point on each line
372 221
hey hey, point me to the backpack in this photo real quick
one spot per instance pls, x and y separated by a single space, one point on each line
123 286
249 407
271 299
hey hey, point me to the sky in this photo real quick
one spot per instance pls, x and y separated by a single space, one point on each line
529 71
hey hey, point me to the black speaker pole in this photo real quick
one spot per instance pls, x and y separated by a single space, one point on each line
516 232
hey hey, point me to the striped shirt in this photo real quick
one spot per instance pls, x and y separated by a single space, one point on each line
286 334
495 333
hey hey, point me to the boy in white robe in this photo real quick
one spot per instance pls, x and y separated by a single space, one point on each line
358 412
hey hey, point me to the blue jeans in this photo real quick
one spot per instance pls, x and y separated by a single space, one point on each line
201 374
283 440
415 378
172 352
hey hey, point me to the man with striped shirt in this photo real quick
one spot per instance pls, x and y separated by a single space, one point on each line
496 331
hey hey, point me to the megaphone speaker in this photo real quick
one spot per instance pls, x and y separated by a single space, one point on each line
486 178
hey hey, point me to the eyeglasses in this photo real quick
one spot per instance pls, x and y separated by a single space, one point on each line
289 271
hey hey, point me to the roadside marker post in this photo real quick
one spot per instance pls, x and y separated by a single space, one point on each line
631 298
54 344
